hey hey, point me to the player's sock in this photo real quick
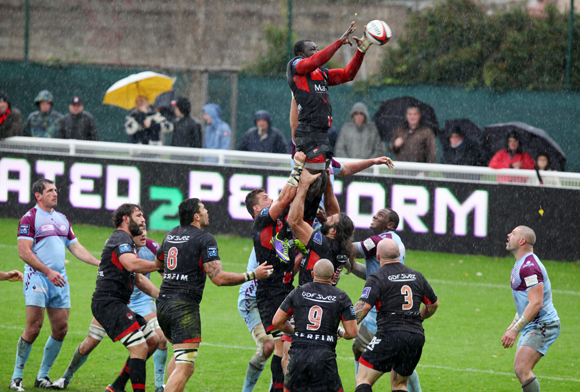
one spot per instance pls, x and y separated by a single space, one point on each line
121 381
75 363
355 367
252 375
277 374
22 353
363 388
159 361
413 384
51 350
531 385
137 373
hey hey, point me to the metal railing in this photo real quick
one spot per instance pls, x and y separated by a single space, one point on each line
433 172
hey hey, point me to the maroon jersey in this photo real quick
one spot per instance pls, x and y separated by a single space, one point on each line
318 309
184 252
321 247
397 292
113 280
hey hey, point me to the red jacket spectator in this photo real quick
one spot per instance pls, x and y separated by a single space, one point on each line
512 157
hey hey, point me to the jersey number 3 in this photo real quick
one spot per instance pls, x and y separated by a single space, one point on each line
408 293
172 258
314 318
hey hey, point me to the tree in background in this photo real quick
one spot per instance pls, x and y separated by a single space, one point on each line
456 43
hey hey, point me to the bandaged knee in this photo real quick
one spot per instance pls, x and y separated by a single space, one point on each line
185 355
133 339
153 324
148 329
260 337
96 332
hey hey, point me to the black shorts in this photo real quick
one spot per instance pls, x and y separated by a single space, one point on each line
117 318
314 143
268 302
179 320
312 369
396 350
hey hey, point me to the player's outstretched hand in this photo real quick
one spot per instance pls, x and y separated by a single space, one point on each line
345 39
263 271
363 43
56 278
307 177
12 276
509 338
384 161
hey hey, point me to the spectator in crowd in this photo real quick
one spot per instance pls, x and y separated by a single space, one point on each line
187 130
413 142
513 156
462 151
145 125
359 138
43 122
263 137
218 133
10 118
543 161
78 124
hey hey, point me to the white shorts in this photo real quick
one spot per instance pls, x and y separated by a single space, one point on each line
248 309
39 291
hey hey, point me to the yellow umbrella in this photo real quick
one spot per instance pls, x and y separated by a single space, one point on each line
148 84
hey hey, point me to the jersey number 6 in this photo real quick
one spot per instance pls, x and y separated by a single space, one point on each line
408 293
172 258
314 318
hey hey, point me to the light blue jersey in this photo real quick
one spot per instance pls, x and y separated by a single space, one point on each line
141 303
528 272
247 304
50 233
249 288
368 247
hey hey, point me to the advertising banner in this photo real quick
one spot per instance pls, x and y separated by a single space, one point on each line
436 215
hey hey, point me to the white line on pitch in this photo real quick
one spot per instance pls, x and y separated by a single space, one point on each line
349 358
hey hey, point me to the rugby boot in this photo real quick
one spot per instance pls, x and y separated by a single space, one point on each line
281 247
44 382
110 388
16 385
61 383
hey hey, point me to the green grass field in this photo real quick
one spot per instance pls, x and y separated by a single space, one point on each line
463 351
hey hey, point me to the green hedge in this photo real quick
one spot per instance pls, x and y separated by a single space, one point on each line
456 43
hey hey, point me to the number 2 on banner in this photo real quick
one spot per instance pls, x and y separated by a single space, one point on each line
314 318
172 258
408 293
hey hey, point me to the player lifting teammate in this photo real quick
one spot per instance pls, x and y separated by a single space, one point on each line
117 275
189 254
397 292
318 308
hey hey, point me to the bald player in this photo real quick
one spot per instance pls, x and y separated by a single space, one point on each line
397 292
536 318
318 308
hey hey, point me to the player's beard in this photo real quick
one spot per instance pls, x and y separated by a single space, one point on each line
325 228
134 228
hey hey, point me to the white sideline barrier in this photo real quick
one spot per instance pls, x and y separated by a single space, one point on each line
433 172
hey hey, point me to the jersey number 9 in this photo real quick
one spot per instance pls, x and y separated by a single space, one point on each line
314 318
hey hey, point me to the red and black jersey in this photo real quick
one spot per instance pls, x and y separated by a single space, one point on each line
264 229
113 280
184 251
309 82
318 309
397 292
321 247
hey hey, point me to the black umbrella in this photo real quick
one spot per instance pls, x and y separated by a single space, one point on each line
163 100
532 140
392 113
469 129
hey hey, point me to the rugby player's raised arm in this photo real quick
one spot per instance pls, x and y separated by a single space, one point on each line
301 229
81 253
351 168
146 286
330 202
134 264
289 190
219 277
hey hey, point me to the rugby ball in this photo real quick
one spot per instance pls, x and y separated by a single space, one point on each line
378 32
